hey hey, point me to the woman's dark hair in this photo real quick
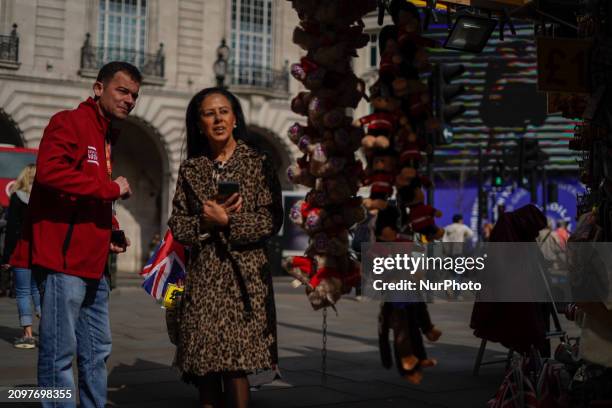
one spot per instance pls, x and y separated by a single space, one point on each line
197 143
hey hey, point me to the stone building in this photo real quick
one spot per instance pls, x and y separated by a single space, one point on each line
50 51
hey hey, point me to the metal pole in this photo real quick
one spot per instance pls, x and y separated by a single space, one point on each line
544 189
324 348
533 185
430 171
480 188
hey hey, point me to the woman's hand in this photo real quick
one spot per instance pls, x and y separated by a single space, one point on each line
233 203
218 214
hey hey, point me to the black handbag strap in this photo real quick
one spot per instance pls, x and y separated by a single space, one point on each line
244 294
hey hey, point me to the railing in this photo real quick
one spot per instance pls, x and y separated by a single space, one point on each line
260 77
150 65
9 47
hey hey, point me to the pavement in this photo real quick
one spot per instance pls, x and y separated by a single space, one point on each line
141 373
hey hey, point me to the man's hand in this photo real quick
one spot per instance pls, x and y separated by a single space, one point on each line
118 249
124 187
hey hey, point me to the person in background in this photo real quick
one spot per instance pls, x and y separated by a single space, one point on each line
562 233
26 290
487 228
5 283
457 231
456 235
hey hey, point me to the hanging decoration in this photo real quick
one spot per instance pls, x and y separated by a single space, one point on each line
397 146
329 32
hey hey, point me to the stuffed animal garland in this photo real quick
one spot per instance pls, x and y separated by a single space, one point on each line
395 144
329 32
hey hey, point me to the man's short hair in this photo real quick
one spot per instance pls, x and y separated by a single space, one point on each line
108 71
457 217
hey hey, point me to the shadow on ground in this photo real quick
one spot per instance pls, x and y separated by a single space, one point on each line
9 334
352 380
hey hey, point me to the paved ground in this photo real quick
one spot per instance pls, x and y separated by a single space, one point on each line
140 372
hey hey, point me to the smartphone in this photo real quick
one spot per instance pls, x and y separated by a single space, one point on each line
118 238
225 189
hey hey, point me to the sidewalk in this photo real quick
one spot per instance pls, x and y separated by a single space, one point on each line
140 373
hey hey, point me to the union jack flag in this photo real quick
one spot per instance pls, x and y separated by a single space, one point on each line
167 265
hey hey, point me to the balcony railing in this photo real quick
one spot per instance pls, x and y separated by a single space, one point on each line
151 65
9 49
276 81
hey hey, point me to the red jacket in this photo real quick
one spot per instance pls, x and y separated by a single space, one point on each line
70 209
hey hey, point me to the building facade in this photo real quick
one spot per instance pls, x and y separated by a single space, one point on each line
50 51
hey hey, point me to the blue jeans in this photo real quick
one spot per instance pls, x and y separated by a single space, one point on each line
74 321
26 292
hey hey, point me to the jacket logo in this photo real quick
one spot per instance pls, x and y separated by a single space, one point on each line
92 155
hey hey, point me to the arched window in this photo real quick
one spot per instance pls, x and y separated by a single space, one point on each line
122 30
251 41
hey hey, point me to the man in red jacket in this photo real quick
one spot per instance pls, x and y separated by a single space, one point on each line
70 236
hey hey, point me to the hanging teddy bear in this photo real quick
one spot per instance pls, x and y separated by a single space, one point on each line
408 320
421 216
326 282
299 174
412 150
380 177
380 124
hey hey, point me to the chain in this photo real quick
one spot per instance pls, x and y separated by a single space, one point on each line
324 347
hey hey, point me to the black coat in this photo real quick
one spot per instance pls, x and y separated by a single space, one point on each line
14 220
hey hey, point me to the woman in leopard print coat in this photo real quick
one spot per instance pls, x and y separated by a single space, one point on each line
227 319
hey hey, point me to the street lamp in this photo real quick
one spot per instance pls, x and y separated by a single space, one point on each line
220 65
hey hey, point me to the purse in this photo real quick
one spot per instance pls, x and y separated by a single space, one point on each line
172 304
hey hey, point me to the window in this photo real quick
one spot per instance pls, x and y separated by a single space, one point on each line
122 30
373 49
251 41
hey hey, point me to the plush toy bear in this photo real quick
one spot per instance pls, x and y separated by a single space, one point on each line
303 212
337 189
408 321
314 219
421 216
348 138
300 103
322 112
411 157
325 283
327 244
381 177
297 131
386 225
298 173
382 99
333 284
380 126
329 168
308 73
344 217
344 89
406 18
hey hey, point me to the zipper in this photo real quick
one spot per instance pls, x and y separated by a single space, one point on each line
68 238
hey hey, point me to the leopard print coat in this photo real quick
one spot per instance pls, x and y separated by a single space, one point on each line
217 332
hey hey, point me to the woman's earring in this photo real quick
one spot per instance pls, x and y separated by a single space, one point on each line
235 126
